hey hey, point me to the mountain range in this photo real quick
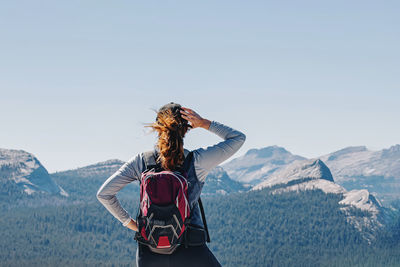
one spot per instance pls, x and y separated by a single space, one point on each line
353 168
276 206
308 175
376 171
258 164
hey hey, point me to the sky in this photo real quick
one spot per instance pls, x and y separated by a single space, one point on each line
80 79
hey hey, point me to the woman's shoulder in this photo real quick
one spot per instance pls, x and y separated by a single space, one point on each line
186 151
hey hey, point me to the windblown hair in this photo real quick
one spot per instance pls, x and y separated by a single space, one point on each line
171 129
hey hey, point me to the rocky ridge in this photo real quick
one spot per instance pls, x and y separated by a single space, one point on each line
315 175
18 167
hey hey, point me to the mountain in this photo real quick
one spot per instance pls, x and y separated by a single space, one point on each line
22 174
258 164
299 172
219 182
353 168
298 216
83 183
100 169
358 167
362 209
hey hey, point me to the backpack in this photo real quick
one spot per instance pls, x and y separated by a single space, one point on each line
164 210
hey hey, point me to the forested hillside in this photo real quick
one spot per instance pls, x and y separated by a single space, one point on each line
247 229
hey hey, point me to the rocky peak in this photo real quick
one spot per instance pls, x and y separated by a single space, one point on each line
315 175
361 199
258 164
299 171
25 170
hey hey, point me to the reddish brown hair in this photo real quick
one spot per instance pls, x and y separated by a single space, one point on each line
171 129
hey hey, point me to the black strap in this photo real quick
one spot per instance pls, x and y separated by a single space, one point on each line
203 217
186 166
188 161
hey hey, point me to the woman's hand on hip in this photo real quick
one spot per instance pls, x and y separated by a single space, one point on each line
132 225
194 119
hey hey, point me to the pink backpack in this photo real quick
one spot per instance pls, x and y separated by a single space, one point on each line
164 212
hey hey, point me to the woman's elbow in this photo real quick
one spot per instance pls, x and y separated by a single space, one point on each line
101 196
239 141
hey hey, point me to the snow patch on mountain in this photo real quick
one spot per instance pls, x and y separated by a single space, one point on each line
63 192
28 190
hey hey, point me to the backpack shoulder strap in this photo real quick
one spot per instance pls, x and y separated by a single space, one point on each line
203 217
149 158
186 166
188 161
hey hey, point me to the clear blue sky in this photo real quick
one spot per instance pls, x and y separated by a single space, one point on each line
79 78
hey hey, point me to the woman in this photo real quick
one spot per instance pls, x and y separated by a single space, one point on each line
172 123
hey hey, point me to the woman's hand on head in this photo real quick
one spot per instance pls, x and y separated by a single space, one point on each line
194 119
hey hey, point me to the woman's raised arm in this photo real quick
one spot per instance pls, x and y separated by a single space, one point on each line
208 158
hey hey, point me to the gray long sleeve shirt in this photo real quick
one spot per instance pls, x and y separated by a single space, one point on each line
205 159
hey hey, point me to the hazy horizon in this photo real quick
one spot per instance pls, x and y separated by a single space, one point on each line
233 157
